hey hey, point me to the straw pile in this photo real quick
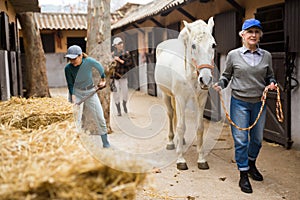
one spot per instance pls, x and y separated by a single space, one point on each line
34 112
41 156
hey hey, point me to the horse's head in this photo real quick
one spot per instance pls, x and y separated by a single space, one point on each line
199 43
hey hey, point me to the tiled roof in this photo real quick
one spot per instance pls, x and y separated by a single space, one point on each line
148 10
76 21
65 21
55 21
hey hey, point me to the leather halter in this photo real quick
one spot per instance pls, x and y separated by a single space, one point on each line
205 66
198 67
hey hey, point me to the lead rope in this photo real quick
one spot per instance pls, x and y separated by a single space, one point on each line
279 113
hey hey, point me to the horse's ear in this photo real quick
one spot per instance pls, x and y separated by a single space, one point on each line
186 25
211 24
184 33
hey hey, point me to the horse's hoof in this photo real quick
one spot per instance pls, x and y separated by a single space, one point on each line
170 146
203 166
182 166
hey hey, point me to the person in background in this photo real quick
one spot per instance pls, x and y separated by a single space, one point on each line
250 70
124 64
78 73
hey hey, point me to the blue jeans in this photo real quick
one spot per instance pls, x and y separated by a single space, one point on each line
247 144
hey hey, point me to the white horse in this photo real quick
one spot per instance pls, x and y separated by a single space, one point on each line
184 71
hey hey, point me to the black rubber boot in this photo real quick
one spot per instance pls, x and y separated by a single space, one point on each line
253 171
244 182
105 141
124 106
119 109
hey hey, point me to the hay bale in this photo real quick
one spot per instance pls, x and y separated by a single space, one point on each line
34 112
49 161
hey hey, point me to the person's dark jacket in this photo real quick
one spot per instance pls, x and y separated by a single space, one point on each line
121 70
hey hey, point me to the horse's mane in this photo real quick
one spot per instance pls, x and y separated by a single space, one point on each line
196 25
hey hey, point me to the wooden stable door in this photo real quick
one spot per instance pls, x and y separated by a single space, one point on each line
276 131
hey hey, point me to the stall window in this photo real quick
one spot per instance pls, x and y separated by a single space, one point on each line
48 43
272 19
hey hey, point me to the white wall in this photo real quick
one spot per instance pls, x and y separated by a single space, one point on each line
55 64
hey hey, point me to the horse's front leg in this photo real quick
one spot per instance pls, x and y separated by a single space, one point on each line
170 112
202 163
180 130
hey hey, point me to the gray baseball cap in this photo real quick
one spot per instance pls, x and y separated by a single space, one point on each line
73 52
116 41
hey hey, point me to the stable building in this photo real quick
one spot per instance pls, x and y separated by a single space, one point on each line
153 23
10 65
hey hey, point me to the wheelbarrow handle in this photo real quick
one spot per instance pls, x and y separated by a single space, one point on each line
88 96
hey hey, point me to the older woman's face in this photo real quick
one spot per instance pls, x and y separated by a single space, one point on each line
251 36
76 61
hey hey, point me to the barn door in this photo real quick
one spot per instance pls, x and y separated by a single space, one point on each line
272 18
225 24
151 85
154 39
131 42
274 130
4 76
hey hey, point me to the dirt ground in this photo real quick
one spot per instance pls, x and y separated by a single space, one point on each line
142 134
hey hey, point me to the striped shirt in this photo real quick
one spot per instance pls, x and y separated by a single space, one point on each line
251 58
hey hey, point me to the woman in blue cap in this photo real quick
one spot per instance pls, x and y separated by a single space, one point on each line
250 70
78 74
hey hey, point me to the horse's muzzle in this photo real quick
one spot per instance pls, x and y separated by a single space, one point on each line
204 87
205 83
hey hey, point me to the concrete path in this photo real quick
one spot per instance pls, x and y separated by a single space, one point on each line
141 135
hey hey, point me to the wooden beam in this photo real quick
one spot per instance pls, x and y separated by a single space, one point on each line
185 13
164 14
127 27
156 22
141 21
138 28
237 6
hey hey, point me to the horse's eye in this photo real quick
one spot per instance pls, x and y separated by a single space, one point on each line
214 45
193 46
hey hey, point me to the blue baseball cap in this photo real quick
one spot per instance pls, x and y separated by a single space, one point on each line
73 52
249 23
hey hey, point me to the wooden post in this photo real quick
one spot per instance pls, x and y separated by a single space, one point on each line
36 74
99 46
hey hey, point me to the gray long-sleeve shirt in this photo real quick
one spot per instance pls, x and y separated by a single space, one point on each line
247 82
